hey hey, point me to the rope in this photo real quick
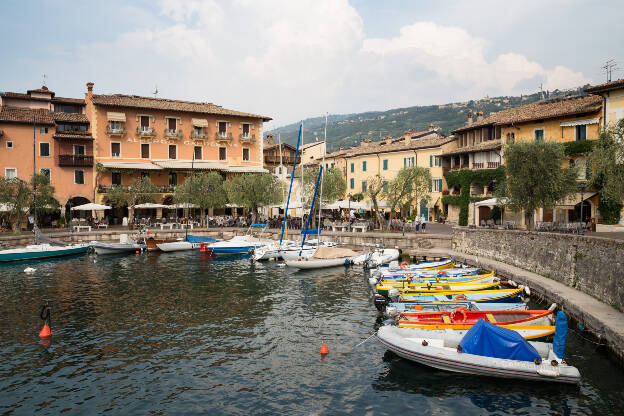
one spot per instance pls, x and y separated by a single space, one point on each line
372 335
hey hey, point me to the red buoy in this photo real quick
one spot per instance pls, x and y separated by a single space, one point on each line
324 350
45 331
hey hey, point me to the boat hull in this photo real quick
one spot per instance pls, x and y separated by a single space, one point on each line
311 263
43 251
152 245
429 287
178 246
491 296
116 248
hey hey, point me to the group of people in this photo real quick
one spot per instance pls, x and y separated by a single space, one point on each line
420 223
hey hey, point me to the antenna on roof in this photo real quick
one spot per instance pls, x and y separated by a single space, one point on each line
155 91
44 76
608 67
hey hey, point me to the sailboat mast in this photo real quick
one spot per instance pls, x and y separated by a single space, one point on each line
188 203
318 240
292 177
35 179
301 188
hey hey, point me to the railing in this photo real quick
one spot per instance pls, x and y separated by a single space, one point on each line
196 135
477 165
75 160
223 136
115 132
145 132
173 134
493 165
247 137
464 166
158 189
286 160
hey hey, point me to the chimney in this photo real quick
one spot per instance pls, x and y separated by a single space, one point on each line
89 89
431 128
469 117
480 116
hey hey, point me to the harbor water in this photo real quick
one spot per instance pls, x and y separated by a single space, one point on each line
180 333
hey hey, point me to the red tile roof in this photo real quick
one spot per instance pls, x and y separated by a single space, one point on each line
68 100
42 90
25 116
607 86
70 117
540 110
21 96
134 101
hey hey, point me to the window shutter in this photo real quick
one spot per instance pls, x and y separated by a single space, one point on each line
413 162
431 161
404 162
431 186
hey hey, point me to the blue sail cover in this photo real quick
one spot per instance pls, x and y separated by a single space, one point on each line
561 333
313 231
490 340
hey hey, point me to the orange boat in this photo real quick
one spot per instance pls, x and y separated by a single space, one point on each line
463 318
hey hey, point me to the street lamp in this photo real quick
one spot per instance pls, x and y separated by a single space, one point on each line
582 186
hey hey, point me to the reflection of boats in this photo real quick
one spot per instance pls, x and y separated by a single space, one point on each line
41 251
484 350
323 257
464 319
125 245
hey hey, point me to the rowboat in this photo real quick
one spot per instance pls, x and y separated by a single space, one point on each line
424 265
395 308
384 273
152 244
419 287
41 251
496 295
436 277
462 318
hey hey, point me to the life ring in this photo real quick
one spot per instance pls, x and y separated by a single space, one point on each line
455 315
441 273
460 297
404 265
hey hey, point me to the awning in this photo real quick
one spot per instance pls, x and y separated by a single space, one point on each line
131 165
246 169
492 202
149 205
579 122
111 116
90 207
575 199
199 122
189 164
184 205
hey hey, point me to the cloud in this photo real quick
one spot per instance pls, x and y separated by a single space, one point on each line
294 59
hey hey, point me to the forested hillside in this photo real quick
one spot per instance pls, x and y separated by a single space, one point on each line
347 130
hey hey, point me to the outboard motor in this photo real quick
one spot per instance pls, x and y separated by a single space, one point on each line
380 302
393 294
391 311
372 281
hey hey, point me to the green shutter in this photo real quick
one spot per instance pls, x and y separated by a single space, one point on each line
404 162
431 186
352 183
431 161
413 162
385 164
352 167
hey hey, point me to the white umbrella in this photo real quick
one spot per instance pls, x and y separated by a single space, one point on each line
185 205
90 207
492 202
149 205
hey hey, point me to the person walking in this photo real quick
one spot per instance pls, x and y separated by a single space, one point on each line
423 222
417 224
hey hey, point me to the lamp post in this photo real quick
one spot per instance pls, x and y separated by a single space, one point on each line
582 189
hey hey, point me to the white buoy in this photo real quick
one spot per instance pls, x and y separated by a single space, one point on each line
29 270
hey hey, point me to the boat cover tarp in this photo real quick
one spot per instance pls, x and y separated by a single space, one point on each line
561 333
323 252
313 231
490 340
200 239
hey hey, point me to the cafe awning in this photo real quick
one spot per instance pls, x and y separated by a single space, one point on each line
199 122
112 116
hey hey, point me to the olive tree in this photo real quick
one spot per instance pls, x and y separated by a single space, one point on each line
408 188
202 189
253 190
374 190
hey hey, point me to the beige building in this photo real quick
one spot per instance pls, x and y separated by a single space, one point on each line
310 152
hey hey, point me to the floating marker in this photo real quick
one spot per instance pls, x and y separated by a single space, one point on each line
45 331
324 350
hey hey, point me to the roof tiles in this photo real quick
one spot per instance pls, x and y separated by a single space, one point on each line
25 116
71 117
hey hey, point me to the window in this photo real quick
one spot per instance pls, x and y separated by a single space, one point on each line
79 177
173 151
9 145
145 150
352 167
352 183
44 149
408 161
116 178
115 149
363 186
385 164
385 186
173 178
79 149
581 132
115 125
222 128
539 135
172 124
364 166
222 153
43 130
45 172
332 164
245 130
431 161
10 173
197 153
436 185
71 128
245 154
145 123
198 131
437 161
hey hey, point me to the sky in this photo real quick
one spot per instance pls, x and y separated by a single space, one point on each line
293 59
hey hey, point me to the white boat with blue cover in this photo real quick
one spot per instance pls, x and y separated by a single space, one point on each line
240 244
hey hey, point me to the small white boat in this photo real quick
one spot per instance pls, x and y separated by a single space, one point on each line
377 258
324 257
178 246
241 244
125 245
450 352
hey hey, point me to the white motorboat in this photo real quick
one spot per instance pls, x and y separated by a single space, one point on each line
178 246
376 258
480 353
126 245
323 257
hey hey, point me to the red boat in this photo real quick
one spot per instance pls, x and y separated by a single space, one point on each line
462 318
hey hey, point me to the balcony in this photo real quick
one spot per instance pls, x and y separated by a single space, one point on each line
158 189
247 138
222 136
198 135
286 160
478 165
115 132
173 134
75 160
493 165
145 132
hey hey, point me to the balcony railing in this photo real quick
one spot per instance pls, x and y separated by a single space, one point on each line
173 134
158 189
115 132
477 165
75 160
223 136
286 160
197 135
493 165
247 137
145 131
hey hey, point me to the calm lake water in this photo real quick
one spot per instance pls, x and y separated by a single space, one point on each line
178 333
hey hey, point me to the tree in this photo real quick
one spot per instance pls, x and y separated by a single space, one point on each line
46 203
536 177
334 186
410 186
207 191
607 172
141 191
374 189
16 196
116 196
253 190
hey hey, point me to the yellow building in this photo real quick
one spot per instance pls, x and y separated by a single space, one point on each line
386 157
312 151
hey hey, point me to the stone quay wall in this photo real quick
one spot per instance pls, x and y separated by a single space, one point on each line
592 265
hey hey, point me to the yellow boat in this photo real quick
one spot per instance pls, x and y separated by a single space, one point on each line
437 288
472 278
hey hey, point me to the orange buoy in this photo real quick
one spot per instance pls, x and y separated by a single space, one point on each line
324 350
45 331
137 252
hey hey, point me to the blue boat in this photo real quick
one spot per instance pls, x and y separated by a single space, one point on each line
240 244
490 296
41 251
200 239
400 307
